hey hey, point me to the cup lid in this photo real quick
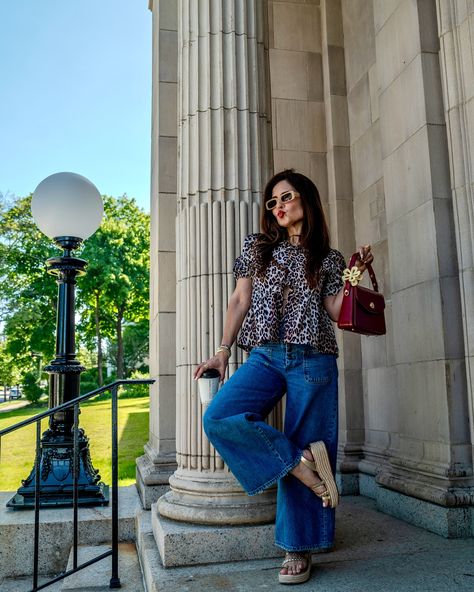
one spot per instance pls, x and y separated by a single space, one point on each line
210 373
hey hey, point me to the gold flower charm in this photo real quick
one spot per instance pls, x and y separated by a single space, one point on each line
353 275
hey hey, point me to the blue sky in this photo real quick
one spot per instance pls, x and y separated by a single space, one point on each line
76 94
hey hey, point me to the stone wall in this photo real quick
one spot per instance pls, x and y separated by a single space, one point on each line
374 101
416 407
356 87
296 78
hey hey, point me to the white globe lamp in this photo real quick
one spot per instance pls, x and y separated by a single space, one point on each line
67 205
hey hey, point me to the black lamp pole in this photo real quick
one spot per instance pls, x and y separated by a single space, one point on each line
56 465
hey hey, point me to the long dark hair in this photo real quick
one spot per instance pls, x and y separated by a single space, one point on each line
314 233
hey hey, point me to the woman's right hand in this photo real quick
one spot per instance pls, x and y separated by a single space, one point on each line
219 362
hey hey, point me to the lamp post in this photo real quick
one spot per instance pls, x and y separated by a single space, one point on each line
68 209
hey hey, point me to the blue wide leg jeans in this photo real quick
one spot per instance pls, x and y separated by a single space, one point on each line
259 455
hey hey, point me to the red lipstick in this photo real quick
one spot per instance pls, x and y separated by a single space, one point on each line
280 214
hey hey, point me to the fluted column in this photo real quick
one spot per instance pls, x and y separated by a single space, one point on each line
457 75
223 163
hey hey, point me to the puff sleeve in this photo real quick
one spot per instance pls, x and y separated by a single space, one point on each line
244 265
333 267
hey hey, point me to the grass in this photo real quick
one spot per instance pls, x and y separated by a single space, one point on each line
18 448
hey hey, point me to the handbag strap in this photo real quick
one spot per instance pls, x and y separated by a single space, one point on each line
352 262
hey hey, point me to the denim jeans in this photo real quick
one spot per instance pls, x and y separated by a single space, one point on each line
259 455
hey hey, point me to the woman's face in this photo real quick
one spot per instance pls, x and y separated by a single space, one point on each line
291 212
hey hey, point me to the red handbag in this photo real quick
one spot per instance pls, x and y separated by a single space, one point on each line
362 310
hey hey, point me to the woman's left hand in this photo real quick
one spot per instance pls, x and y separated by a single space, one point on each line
365 256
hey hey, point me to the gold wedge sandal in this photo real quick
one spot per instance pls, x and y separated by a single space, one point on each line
296 578
322 466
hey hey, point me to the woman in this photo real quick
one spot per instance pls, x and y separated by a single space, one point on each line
289 287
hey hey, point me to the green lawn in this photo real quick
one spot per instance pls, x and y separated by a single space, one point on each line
17 448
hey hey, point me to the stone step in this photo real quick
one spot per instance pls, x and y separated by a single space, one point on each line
96 577
372 551
25 584
183 543
169 543
149 556
235 575
56 533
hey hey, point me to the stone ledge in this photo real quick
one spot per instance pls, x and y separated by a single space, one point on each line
444 521
348 483
150 559
448 522
152 479
367 486
182 543
56 532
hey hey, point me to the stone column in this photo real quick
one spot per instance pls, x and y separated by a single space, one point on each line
223 163
159 461
369 393
456 26
341 219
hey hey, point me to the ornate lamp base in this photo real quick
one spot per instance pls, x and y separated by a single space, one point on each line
56 476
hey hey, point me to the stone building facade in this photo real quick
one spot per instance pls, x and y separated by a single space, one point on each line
374 100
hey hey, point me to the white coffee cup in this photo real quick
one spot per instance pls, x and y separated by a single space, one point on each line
208 385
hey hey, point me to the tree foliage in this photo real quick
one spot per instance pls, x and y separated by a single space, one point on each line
115 288
28 296
112 294
135 347
9 371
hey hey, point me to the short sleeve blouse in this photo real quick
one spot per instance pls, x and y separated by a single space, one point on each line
304 318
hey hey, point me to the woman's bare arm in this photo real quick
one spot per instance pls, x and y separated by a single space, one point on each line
239 304
333 303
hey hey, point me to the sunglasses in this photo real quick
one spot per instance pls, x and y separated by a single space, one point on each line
286 197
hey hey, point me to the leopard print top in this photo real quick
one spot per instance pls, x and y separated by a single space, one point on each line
284 307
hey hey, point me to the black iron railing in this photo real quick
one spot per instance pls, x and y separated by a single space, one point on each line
75 403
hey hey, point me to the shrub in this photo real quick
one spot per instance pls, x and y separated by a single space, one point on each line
89 381
31 388
136 390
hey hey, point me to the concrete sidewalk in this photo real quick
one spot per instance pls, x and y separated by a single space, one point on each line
373 552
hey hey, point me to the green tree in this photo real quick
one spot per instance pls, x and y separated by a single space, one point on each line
135 347
96 322
113 292
115 288
9 372
28 296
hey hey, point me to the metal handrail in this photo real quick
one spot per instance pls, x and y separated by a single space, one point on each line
113 387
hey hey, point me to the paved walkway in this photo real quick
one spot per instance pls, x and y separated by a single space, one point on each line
13 405
374 553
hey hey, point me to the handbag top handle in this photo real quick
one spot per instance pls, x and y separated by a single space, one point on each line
352 262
